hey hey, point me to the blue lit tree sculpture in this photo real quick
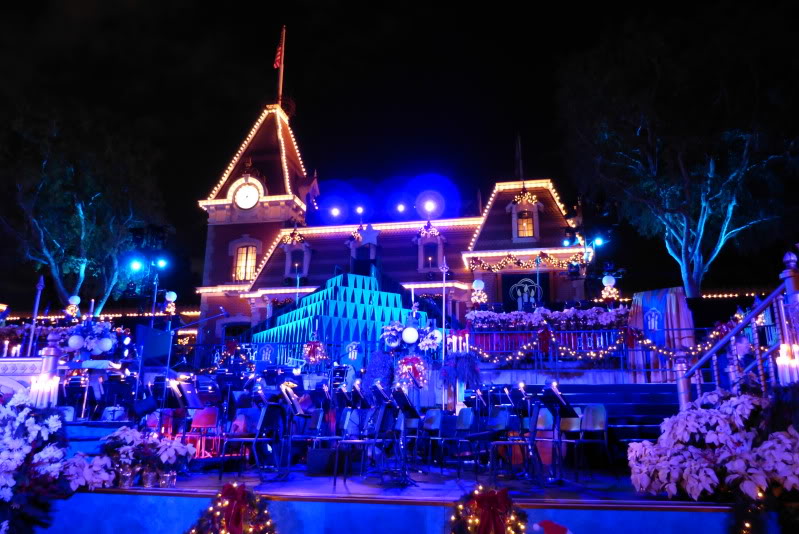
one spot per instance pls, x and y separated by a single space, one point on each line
682 128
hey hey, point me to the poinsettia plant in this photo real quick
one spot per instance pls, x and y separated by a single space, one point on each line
720 445
32 450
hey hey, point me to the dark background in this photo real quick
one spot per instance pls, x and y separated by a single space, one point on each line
381 97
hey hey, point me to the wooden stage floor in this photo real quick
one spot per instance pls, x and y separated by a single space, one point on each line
595 489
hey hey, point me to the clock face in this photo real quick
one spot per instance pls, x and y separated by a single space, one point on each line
246 196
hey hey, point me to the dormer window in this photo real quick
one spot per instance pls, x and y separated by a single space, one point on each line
430 245
524 217
298 255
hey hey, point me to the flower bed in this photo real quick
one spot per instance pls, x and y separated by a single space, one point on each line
568 319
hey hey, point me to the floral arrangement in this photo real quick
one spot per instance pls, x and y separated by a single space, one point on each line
32 448
95 338
236 510
130 447
719 445
568 319
91 473
429 339
396 337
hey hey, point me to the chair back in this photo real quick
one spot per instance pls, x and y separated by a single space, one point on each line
571 424
499 421
206 418
594 419
432 420
545 421
465 420
247 421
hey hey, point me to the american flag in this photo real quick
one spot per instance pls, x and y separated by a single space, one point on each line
279 55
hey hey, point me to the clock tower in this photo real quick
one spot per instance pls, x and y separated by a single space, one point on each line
264 189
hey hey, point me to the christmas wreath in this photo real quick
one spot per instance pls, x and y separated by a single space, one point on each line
235 510
492 512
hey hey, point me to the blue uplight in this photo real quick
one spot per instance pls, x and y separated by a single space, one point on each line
599 241
566 242
161 263
136 266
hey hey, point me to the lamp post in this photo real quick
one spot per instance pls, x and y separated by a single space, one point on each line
444 269
170 296
297 293
39 289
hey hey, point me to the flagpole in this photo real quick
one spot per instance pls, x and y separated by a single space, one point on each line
282 63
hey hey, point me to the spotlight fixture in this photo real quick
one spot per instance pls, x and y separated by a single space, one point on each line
335 212
401 208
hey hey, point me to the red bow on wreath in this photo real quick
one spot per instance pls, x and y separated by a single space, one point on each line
234 511
493 507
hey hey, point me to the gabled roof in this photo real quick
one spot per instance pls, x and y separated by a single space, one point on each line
495 207
271 150
334 237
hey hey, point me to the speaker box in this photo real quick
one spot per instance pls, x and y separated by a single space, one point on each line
144 406
320 461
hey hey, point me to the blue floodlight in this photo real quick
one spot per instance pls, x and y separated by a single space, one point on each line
161 263
335 212
359 210
401 208
566 243
136 266
599 241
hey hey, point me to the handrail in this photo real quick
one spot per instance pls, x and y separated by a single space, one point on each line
757 310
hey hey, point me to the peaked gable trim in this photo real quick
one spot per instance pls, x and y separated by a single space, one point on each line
544 183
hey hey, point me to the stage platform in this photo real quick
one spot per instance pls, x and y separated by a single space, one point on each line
311 505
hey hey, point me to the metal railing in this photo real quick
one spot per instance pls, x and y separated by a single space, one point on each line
755 370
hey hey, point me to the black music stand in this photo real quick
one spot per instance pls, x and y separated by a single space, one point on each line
358 399
559 407
409 411
343 399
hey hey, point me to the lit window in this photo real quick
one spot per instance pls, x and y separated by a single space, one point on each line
431 255
524 225
244 267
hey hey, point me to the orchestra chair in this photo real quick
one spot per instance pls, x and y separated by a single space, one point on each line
204 424
508 442
408 431
496 428
593 429
463 425
545 423
430 428
356 437
251 433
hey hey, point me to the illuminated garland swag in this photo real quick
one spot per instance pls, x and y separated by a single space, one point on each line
512 261
487 512
627 336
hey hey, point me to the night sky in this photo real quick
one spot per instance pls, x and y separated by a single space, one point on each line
381 97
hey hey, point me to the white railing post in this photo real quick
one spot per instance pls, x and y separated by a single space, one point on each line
683 382
790 277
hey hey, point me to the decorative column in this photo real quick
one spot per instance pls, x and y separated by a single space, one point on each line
683 383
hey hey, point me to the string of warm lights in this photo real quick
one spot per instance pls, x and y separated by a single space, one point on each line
237 156
284 163
610 293
695 350
525 197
